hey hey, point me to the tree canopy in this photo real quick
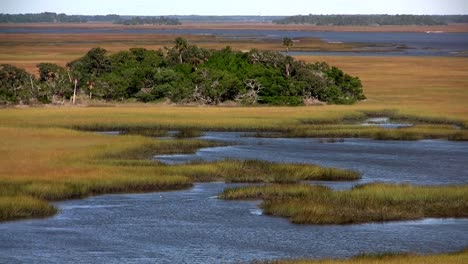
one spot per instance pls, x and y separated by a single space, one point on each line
186 73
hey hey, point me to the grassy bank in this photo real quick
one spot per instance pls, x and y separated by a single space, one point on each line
254 171
327 121
305 204
416 132
47 164
389 258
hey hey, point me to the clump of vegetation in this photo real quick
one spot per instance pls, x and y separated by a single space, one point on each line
17 207
377 202
382 258
186 73
144 131
163 147
188 133
256 171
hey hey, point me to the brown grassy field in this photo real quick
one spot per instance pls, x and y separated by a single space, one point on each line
427 85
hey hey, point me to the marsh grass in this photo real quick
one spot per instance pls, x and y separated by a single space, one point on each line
415 132
336 118
378 202
428 120
188 133
161 147
149 131
144 131
255 171
383 258
56 164
325 122
18 207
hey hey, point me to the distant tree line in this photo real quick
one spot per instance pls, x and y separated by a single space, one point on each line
183 73
226 19
365 20
149 21
50 17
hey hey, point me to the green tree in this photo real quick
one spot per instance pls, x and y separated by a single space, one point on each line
288 43
91 66
180 45
55 81
17 85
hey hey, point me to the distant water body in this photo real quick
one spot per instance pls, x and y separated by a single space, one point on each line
415 44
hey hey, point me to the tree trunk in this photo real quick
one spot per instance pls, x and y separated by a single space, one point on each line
74 91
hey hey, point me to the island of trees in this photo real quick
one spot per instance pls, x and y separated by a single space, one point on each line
183 73
366 20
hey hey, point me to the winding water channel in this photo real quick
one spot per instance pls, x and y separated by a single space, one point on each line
193 226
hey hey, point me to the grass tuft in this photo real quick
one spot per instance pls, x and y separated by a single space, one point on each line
378 202
188 133
17 207
383 258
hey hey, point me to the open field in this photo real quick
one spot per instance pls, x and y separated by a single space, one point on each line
451 258
418 85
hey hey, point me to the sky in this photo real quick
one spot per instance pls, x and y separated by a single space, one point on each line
235 7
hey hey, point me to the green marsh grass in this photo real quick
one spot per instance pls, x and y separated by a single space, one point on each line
188 133
415 132
18 207
377 202
327 121
383 258
255 171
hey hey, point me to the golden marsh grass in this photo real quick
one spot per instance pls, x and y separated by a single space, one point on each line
408 258
47 164
377 202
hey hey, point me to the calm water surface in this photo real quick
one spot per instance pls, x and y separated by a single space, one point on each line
192 226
